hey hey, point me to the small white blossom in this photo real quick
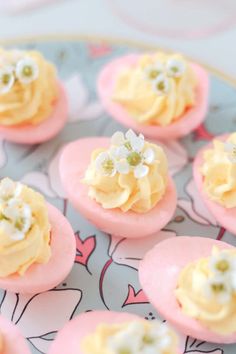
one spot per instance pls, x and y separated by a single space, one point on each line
127 153
16 218
137 338
27 70
7 79
128 340
129 140
152 71
158 337
222 263
161 85
131 156
230 148
15 215
105 164
218 287
175 67
9 189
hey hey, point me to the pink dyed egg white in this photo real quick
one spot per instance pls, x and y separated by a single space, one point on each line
70 337
158 275
226 217
186 124
41 277
39 133
74 161
13 341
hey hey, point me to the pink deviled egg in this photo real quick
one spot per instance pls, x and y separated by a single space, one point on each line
120 184
37 242
11 341
33 103
214 172
190 282
115 331
162 96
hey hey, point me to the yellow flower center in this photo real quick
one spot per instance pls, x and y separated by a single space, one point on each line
128 145
217 288
234 151
27 71
147 339
108 166
124 351
6 79
222 265
20 223
134 158
153 74
161 86
174 69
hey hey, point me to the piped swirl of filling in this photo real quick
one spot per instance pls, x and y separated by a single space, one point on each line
130 175
157 90
206 291
219 172
136 337
24 228
28 88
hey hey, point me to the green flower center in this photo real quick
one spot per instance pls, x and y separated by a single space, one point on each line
147 339
234 151
128 145
161 86
124 351
6 79
153 74
27 71
134 158
174 69
108 166
222 265
20 223
217 288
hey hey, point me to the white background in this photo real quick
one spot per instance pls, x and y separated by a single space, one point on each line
95 17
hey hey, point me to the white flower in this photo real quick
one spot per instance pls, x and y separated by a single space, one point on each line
129 140
161 85
27 70
138 338
9 189
15 215
158 338
16 218
130 154
105 164
175 67
136 142
7 79
222 263
219 287
152 71
127 341
231 149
